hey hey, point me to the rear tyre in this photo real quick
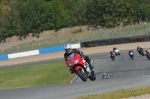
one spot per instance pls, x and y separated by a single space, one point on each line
132 58
82 75
113 58
93 76
148 56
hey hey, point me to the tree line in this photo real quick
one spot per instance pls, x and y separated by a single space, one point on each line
21 17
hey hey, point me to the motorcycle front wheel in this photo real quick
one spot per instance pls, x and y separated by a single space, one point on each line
148 57
82 75
113 58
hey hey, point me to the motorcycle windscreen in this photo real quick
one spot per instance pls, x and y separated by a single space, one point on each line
131 53
71 56
73 59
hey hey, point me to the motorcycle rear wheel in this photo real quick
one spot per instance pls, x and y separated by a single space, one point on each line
148 57
113 58
93 76
82 75
132 58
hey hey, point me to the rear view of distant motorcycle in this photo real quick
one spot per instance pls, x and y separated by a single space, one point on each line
131 54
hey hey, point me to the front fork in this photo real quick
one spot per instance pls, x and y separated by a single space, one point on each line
87 67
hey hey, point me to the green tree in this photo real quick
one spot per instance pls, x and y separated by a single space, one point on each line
32 15
58 18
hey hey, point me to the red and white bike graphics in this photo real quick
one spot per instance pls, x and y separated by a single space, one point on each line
80 67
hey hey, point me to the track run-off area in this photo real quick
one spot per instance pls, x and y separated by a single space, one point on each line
122 73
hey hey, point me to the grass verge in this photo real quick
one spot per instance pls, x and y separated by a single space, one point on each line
36 75
119 94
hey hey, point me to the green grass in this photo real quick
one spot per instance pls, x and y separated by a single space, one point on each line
119 94
77 31
37 75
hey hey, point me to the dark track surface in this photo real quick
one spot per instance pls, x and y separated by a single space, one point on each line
122 73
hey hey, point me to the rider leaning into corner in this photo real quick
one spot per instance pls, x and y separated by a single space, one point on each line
147 51
69 50
139 49
130 50
115 48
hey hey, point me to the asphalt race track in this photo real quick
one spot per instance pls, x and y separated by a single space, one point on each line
122 73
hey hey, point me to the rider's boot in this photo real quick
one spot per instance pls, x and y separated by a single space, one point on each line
71 71
90 62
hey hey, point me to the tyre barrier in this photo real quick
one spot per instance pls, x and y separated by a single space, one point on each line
116 41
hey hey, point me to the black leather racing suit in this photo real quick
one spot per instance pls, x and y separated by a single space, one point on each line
86 58
140 50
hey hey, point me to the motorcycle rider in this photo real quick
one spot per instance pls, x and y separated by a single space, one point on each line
115 49
130 51
111 53
147 51
140 49
69 50
104 76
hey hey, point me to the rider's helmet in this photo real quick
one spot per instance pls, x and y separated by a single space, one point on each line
68 48
114 48
104 73
130 49
146 50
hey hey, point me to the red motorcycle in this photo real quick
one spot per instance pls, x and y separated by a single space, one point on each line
80 67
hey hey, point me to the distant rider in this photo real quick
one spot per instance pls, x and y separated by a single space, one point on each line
147 51
104 76
69 50
114 48
140 49
116 51
111 53
130 51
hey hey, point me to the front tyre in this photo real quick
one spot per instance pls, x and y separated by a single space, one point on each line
82 75
113 58
132 58
148 57
93 76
